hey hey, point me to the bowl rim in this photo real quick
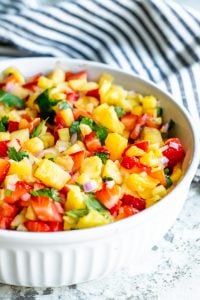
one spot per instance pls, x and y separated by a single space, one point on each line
105 230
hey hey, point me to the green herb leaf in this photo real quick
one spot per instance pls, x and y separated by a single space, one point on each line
17 156
171 125
101 132
80 185
107 178
3 124
74 128
52 193
87 121
169 181
166 171
92 203
37 131
103 156
119 111
159 111
45 105
64 105
77 212
8 193
10 99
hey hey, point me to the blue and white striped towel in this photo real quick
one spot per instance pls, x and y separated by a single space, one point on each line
159 40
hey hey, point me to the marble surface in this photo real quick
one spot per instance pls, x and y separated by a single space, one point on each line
171 270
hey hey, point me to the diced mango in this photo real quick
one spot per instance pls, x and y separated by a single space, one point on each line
116 144
51 174
33 145
92 219
106 116
149 102
92 166
111 169
23 169
22 135
176 174
75 199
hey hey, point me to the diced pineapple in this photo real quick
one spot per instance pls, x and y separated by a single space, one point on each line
77 84
15 144
61 146
2 196
88 86
114 96
51 174
152 135
20 92
149 102
67 116
31 100
106 116
116 144
23 169
92 219
105 82
18 220
150 159
57 76
65 161
33 145
135 151
141 183
58 96
137 110
63 134
83 178
111 169
69 222
47 139
22 135
74 148
157 193
15 72
85 129
10 180
4 136
45 83
30 213
75 199
92 166
86 103
176 174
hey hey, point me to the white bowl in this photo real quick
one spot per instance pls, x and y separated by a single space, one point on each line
64 258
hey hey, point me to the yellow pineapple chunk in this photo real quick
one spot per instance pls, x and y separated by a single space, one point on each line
114 96
105 82
18 220
149 102
176 174
22 135
10 180
74 148
57 76
51 174
47 139
87 103
116 144
152 135
74 199
135 151
106 116
69 222
67 116
150 159
92 219
111 169
66 162
85 129
30 213
63 134
4 136
33 145
45 83
23 169
92 166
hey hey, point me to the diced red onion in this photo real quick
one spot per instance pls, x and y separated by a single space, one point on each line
165 127
164 160
10 87
26 197
164 148
174 145
90 186
11 186
46 151
74 138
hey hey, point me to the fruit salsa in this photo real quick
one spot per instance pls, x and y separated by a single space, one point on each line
75 153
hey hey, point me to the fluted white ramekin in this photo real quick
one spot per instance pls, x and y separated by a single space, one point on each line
64 258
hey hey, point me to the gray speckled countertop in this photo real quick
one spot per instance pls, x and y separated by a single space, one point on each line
170 272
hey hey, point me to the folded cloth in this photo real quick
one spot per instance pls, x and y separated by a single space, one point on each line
158 40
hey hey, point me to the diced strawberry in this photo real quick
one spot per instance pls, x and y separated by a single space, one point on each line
134 165
93 93
115 209
21 188
132 201
136 131
129 120
45 209
4 148
55 226
32 84
5 222
59 120
109 197
144 145
72 97
37 226
142 119
76 76
8 210
13 126
4 168
78 158
127 211
175 152
92 142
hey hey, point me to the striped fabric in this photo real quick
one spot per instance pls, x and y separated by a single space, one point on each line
158 40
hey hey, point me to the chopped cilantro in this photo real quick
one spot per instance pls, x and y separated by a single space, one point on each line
38 130
166 171
10 99
107 178
92 203
64 105
159 111
77 212
52 193
87 121
169 181
17 156
103 156
45 106
101 132
74 128
119 111
80 185
3 124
